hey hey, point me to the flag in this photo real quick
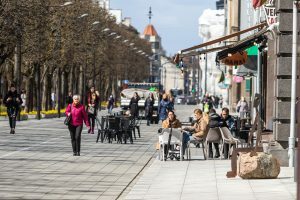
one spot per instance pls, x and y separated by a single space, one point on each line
258 3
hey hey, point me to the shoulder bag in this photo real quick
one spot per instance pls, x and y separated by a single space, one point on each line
67 121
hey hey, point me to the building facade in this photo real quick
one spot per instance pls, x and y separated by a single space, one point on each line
150 34
211 26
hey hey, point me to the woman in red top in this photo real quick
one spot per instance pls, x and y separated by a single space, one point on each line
78 116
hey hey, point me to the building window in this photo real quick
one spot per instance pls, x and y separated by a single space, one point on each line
155 45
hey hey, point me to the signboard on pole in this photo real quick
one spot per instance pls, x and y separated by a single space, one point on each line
270 12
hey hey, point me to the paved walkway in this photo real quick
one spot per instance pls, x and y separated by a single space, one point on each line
37 162
199 179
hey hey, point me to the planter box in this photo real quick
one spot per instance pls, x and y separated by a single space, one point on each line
32 116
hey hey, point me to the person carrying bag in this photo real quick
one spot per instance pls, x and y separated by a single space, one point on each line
77 115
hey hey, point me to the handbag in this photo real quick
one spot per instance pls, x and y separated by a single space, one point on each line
68 118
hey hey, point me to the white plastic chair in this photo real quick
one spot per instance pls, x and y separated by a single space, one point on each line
227 138
214 136
176 139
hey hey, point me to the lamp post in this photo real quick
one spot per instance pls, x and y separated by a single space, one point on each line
58 40
83 71
291 152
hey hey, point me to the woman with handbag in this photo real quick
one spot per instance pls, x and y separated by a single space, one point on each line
77 115
92 112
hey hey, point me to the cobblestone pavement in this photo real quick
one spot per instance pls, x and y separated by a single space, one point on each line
37 162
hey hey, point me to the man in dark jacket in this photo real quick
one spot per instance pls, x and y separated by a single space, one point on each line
227 121
12 101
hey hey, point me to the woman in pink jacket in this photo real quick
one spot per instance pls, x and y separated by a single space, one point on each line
78 116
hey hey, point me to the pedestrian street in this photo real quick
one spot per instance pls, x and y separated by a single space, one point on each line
37 162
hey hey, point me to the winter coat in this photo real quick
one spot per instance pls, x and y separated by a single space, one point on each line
149 103
243 106
13 104
228 122
175 124
214 120
111 102
78 115
134 107
164 107
200 129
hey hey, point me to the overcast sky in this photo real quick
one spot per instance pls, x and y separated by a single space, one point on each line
176 21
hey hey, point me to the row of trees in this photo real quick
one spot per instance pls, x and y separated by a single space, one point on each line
58 46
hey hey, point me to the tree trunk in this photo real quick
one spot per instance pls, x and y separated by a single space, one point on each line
44 93
80 83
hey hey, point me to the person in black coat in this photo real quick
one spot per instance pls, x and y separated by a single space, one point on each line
214 122
69 99
149 103
133 105
12 101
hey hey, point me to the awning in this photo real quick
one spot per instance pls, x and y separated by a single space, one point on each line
243 71
224 38
243 44
192 50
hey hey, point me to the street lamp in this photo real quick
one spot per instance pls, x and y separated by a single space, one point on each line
83 77
58 41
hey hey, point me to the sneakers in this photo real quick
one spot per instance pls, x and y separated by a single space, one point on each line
89 131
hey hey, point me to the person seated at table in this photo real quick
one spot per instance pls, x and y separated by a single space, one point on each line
171 121
196 132
227 121
214 122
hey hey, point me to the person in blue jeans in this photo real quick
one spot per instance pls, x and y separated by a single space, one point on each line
110 104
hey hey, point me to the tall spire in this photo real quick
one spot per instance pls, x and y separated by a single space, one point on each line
150 15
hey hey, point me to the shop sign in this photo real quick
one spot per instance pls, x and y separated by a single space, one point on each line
270 12
237 79
236 59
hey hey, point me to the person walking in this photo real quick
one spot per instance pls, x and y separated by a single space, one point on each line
69 98
164 107
110 104
133 105
23 97
78 116
92 111
149 103
53 100
207 103
12 101
242 108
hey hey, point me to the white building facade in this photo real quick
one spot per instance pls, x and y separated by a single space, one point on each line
211 26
